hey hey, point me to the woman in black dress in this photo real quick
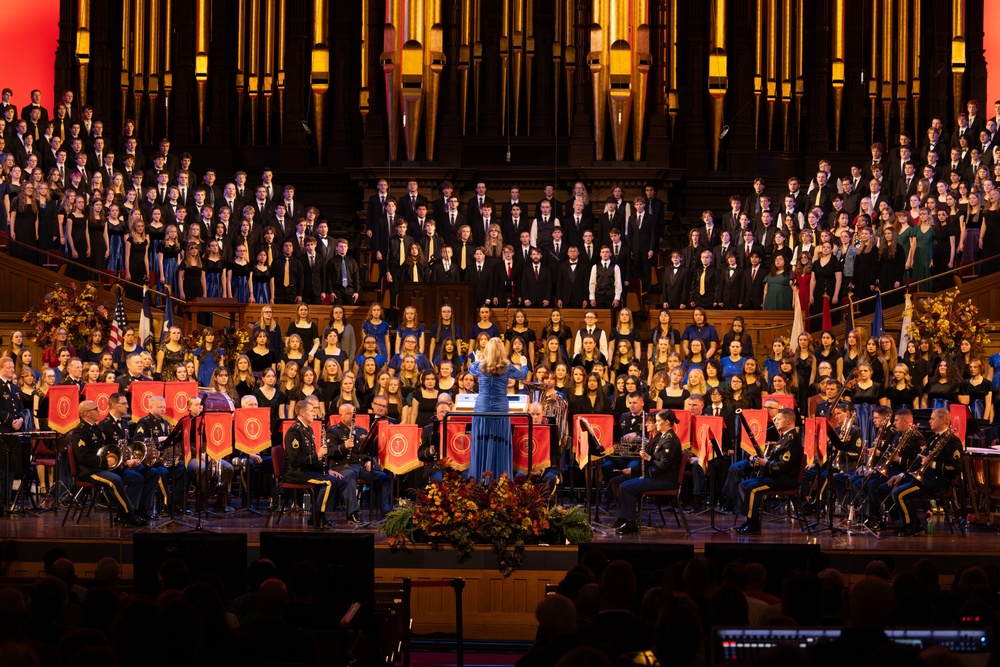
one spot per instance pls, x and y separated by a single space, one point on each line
97 231
944 387
945 235
192 276
900 390
137 254
827 274
891 266
23 219
989 234
865 270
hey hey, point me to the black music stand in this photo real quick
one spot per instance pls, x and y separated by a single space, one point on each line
173 442
830 496
593 443
718 455
8 442
363 448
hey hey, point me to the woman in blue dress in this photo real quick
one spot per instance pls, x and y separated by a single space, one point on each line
263 281
168 259
492 450
375 325
239 272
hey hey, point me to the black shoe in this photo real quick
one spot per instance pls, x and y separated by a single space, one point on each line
627 528
320 521
749 528
354 519
143 514
132 520
908 530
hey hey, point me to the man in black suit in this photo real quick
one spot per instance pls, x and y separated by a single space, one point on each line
284 227
325 244
571 281
506 210
536 282
555 207
977 120
440 207
643 241
475 210
621 256
480 272
753 204
504 279
906 187
36 104
705 283
732 284
512 227
464 251
522 252
822 195
655 208
578 221
878 194
765 234
383 231
313 273
445 270
289 278
261 204
343 278
754 276
399 248
589 252
480 224
450 222
611 217
556 252
676 283
11 421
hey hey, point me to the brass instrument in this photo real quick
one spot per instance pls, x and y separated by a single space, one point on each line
558 408
642 439
114 455
871 450
882 466
939 443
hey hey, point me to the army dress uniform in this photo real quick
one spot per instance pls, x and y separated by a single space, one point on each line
846 451
780 473
945 466
115 431
11 406
155 477
629 423
662 471
877 485
303 466
86 440
353 460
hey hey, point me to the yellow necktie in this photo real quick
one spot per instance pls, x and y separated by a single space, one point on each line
430 250
288 277
701 282
269 257
402 252
416 276
818 193
463 257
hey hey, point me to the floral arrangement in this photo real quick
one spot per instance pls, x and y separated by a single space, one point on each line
231 341
504 513
945 320
74 308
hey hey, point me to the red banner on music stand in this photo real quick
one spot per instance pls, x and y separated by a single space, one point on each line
814 440
317 429
64 407
603 427
100 393
177 395
141 393
253 429
960 416
397 447
701 444
218 434
757 421
541 450
456 444
786 400
683 427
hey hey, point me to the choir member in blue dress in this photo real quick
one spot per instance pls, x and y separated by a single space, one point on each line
262 280
239 276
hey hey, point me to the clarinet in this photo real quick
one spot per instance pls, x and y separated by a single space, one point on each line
642 445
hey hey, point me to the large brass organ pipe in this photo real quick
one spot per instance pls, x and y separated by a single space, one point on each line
772 65
598 75
434 61
957 53
718 79
168 74
873 73
364 96
154 59
126 35
673 99
786 69
83 45
268 70
758 77
139 59
505 46
240 64
800 82
282 17
529 58
888 28
202 30
319 76
570 56
642 61
915 69
464 60
253 67
903 63
837 75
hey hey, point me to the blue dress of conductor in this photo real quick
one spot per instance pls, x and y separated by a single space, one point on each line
492 449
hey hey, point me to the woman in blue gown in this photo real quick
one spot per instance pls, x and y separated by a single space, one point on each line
491 436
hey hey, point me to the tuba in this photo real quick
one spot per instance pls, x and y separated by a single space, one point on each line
557 407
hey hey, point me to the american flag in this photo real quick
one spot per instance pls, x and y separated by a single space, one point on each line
118 324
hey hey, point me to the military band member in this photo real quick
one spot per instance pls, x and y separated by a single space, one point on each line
937 464
86 440
844 452
154 430
779 471
662 472
11 421
550 476
348 457
116 429
745 469
634 469
430 440
877 489
133 373
196 463
74 375
844 480
344 443
630 428
303 462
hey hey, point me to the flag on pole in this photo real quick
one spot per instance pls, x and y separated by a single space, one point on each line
827 316
904 335
878 327
146 321
118 324
849 315
798 326
168 319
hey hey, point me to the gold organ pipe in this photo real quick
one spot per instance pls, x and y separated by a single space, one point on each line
800 82
758 77
915 81
505 48
465 60
529 58
365 95
477 55
903 63
83 45
413 73
434 60
888 28
240 63
837 71
873 74
718 66
154 54
957 52
268 69
391 63
168 75
570 55
599 73
772 63
202 40
673 99
642 60
517 45
319 78
282 18
126 35
557 62
138 58
786 68
253 70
